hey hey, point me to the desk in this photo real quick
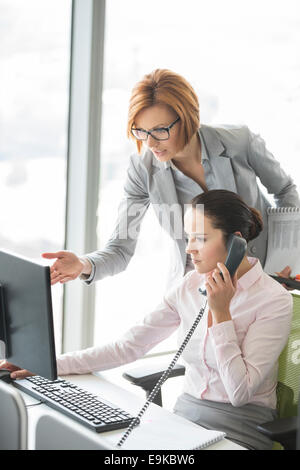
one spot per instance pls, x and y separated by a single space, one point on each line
99 384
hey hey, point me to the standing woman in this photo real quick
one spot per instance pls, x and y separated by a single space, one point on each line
181 159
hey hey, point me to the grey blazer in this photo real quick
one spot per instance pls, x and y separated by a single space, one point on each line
236 159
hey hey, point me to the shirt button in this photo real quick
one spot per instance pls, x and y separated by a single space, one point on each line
253 249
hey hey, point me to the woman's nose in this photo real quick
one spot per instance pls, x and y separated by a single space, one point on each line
190 248
150 141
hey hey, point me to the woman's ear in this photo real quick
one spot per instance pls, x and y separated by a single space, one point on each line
238 234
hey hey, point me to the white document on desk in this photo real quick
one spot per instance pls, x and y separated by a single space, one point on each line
283 240
175 433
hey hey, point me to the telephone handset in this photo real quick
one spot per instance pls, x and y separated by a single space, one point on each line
236 248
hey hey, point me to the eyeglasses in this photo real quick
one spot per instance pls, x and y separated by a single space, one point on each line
161 133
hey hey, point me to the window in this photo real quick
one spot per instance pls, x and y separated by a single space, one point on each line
243 61
34 61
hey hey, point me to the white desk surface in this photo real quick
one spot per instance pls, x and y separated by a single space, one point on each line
132 403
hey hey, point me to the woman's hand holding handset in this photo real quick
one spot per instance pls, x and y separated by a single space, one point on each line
219 293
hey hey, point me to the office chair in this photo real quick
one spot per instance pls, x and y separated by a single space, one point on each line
13 419
298 428
283 430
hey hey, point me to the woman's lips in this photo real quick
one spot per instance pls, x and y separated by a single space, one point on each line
158 153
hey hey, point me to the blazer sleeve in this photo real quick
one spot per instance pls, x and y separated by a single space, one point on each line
119 249
270 173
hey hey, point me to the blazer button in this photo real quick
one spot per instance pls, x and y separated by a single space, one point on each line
253 249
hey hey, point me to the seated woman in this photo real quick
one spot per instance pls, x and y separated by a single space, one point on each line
231 359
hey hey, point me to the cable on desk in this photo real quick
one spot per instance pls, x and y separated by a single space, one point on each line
34 404
163 378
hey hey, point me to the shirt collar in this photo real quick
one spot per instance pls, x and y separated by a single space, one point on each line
204 155
251 276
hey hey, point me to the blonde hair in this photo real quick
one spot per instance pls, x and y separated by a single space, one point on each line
167 88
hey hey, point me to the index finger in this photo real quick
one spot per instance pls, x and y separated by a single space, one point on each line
58 254
224 271
21 374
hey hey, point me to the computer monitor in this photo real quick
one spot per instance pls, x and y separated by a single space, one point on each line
26 320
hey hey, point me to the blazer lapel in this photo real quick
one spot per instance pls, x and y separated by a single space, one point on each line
164 186
166 205
222 176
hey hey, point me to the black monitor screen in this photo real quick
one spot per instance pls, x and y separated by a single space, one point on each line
26 321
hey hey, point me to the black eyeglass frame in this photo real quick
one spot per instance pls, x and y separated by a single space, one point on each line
157 129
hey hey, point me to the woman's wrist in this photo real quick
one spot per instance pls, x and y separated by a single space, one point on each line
221 316
86 266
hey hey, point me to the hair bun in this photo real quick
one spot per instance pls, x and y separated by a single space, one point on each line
257 224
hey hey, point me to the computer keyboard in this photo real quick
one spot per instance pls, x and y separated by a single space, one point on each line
86 408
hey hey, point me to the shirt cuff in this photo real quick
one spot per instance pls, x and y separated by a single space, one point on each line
62 365
223 333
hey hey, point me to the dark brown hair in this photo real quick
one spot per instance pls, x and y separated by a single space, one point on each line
229 213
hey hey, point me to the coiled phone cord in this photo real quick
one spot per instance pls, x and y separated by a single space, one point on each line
163 378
